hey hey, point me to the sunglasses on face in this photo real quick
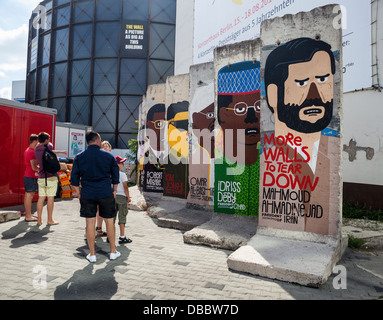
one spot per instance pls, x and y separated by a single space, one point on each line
180 124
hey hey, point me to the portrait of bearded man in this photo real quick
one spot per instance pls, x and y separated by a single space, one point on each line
299 78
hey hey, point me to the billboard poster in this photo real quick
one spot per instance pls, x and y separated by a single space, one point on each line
76 142
218 23
134 39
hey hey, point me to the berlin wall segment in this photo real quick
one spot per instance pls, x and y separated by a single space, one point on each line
301 116
237 71
257 132
201 136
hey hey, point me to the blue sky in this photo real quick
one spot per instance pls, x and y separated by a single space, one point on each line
14 19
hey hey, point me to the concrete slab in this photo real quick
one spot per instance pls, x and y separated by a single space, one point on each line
291 260
6 216
363 229
185 219
223 231
166 205
362 233
141 200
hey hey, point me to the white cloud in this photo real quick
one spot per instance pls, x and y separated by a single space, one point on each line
16 66
6 92
14 22
10 35
29 4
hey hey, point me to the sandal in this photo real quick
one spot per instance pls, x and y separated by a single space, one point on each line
34 219
100 233
124 240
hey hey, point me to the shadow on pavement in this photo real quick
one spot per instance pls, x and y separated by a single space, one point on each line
32 234
91 283
13 232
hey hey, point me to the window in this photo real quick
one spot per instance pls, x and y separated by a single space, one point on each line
59 79
83 11
107 39
80 79
82 41
104 113
62 16
61 44
133 76
105 76
79 110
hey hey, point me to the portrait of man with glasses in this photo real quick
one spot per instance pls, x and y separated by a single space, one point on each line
155 155
176 170
238 115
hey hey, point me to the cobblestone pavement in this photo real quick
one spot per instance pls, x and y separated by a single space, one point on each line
49 263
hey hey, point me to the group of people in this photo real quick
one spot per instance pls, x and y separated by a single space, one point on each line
99 181
37 180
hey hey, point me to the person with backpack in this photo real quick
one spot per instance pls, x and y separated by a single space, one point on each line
47 176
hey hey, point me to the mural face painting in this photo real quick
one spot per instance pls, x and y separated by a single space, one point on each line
282 167
154 168
201 157
176 170
237 158
296 156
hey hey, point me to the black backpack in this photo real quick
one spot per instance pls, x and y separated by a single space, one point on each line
51 163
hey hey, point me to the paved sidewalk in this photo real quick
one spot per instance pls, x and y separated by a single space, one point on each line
49 263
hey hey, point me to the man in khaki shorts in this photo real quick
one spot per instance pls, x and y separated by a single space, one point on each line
47 182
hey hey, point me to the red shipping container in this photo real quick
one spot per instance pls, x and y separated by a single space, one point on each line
17 122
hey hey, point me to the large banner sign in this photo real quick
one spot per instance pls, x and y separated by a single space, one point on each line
221 22
135 39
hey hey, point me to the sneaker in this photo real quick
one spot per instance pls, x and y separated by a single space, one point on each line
91 258
124 240
114 256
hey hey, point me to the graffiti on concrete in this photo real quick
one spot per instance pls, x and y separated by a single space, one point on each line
352 150
296 158
238 112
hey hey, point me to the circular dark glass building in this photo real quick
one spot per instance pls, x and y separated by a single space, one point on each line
92 60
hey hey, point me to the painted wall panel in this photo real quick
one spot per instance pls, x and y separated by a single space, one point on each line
300 185
177 137
201 135
152 148
237 70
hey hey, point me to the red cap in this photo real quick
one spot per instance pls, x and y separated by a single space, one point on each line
120 160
